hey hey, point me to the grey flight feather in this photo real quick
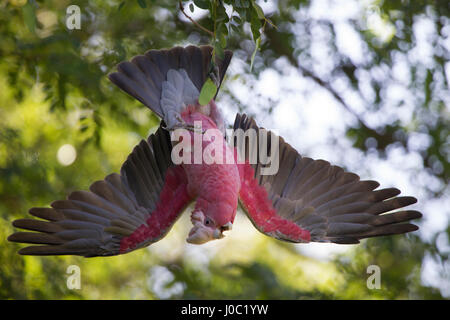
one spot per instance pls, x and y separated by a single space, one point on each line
92 223
166 80
176 94
333 205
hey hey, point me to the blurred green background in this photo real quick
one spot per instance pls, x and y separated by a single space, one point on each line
392 90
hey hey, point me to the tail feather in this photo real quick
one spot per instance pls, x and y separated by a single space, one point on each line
146 77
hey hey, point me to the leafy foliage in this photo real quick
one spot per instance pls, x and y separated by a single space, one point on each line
54 91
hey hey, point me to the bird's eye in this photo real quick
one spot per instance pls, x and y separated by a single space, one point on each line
207 222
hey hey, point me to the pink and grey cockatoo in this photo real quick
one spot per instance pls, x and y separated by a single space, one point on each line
304 200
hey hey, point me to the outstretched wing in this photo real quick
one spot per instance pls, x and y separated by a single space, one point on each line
120 213
311 200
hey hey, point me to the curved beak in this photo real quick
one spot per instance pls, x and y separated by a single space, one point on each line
200 233
217 234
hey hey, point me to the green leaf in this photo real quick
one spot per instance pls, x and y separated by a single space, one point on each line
222 14
202 4
235 28
29 16
259 10
207 93
191 7
218 49
236 19
255 25
223 40
242 4
121 5
221 30
427 85
257 44
142 4
242 13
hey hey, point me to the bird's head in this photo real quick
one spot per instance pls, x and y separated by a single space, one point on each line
210 224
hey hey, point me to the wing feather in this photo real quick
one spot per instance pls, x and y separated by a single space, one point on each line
98 222
332 205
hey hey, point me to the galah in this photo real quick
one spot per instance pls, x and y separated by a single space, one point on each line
304 201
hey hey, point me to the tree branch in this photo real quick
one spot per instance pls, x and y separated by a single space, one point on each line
193 21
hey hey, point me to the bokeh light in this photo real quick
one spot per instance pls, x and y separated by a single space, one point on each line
66 155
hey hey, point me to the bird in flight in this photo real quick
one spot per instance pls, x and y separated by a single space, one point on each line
291 197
